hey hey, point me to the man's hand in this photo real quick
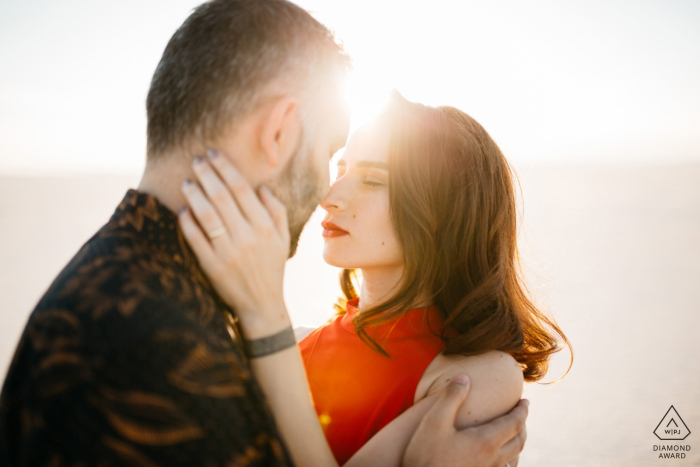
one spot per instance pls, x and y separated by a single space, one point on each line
436 442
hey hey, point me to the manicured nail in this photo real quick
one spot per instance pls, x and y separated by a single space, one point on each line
213 153
461 379
198 160
266 190
182 209
186 182
526 402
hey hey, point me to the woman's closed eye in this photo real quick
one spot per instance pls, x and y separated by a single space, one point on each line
375 177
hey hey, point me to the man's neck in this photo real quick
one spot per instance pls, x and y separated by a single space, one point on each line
163 179
163 176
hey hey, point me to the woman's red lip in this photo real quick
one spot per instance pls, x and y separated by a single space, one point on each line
332 230
332 226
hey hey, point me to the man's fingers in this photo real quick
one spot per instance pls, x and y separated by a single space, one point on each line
506 427
248 202
514 461
512 448
444 411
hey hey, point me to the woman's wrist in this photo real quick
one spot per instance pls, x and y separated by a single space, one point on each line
265 346
264 322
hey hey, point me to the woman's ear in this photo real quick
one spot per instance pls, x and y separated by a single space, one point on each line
281 131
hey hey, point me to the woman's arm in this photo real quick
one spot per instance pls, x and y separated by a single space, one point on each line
496 384
387 447
283 380
245 264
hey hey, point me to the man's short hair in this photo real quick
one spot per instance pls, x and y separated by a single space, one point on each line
219 65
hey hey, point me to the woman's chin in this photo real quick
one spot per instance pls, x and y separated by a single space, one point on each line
334 259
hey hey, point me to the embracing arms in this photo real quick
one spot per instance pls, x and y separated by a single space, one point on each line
246 266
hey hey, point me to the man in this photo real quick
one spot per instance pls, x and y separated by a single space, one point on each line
127 359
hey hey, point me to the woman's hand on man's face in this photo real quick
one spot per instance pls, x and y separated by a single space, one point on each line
241 240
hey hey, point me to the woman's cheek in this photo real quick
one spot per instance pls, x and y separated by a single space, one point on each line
392 252
384 246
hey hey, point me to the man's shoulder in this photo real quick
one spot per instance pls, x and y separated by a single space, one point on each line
104 253
120 287
119 304
111 270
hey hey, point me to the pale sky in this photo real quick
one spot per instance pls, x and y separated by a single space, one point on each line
585 82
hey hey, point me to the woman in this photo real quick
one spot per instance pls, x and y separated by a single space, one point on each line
424 207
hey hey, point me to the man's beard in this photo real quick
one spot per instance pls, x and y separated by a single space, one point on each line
300 188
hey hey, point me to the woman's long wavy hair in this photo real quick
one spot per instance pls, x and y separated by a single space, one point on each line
453 208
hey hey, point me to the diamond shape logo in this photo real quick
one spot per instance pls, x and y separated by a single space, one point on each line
671 427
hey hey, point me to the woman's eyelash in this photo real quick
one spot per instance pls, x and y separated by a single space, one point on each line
367 182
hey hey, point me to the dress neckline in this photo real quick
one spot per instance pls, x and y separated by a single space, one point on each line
412 323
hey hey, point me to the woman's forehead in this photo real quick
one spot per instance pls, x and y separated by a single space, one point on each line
369 142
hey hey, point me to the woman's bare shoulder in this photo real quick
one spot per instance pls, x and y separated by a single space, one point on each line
496 380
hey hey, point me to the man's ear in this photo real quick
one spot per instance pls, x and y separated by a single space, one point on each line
281 130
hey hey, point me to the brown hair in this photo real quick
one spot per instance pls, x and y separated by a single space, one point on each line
453 209
218 63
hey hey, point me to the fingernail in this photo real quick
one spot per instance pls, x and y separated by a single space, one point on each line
526 402
186 182
461 379
213 153
182 209
266 190
198 160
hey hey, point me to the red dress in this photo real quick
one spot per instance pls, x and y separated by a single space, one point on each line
356 390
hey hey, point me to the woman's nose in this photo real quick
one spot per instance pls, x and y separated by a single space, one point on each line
334 200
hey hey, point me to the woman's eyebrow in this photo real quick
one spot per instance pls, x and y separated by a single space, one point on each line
373 164
367 164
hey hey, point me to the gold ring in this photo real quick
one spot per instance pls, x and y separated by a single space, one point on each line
217 232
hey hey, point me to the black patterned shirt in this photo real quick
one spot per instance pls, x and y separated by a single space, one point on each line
128 360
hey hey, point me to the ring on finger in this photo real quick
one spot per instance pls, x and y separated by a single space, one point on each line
216 232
